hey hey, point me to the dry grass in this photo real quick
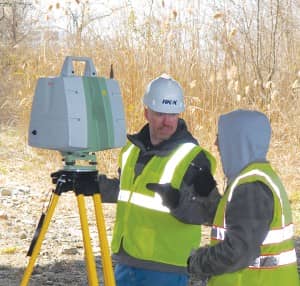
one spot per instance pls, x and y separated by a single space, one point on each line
217 76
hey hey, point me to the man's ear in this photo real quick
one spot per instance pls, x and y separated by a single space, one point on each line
146 113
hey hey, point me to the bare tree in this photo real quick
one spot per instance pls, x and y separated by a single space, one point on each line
15 21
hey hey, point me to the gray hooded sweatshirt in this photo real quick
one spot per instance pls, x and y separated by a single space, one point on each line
243 138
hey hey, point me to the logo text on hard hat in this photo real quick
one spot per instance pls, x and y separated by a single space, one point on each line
169 101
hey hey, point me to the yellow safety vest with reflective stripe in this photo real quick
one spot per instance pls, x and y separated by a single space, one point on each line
277 263
143 225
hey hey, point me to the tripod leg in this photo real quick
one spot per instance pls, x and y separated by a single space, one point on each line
37 246
109 278
89 257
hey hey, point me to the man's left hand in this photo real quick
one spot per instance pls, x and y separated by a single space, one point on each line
170 196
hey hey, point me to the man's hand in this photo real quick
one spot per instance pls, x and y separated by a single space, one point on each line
194 265
66 182
170 196
204 182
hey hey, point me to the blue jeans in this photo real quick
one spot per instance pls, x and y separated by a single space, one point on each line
132 276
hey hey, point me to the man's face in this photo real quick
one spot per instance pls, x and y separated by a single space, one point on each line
161 125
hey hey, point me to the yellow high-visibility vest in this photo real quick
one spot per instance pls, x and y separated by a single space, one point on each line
277 263
144 225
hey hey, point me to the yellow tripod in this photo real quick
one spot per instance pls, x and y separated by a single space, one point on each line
83 183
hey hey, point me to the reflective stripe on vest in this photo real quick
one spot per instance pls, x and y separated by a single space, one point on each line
270 261
174 161
126 155
273 236
155 202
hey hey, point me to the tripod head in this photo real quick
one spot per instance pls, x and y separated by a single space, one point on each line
82 179
70 159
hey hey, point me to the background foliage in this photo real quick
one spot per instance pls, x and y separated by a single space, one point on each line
226 54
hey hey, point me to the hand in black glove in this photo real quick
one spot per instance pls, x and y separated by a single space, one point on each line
194 265
170 196
86 183
65 181
80 182
204 182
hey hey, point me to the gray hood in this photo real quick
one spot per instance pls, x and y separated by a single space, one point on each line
243 138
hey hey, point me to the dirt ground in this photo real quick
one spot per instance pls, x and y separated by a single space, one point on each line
60 261
61 258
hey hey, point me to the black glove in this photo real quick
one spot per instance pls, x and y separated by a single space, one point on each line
66 182
193 266
87 183
81 182
204 182
170 196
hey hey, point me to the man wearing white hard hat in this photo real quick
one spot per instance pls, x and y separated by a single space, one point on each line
156 226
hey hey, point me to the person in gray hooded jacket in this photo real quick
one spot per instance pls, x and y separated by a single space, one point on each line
252 233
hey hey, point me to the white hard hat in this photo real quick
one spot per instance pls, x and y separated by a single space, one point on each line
165 95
